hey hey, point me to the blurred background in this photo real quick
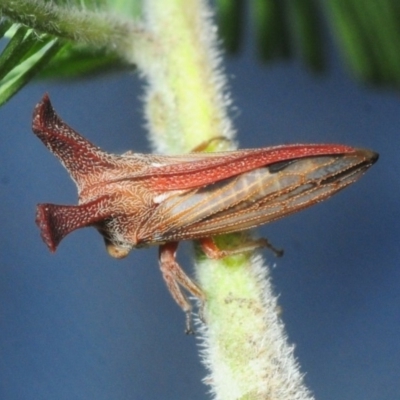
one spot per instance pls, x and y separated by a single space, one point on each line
78 324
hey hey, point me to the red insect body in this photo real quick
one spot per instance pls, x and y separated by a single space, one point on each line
136 200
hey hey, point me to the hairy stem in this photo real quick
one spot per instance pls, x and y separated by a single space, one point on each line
185 100
94 28
244 344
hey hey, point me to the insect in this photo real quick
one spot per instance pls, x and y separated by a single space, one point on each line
136 200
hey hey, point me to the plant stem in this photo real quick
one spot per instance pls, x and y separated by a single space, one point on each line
185 103
244 344
94 28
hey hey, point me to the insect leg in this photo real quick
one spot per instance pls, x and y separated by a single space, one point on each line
175 277
212 251
204 145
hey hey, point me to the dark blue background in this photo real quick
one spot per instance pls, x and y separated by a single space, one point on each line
81 325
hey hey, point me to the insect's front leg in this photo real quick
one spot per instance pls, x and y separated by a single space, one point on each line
175 278
217 141
212 251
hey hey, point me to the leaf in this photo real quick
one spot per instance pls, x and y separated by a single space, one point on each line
271 30
75 61
28 55
306 30
367 33
230 19
23 57
19 77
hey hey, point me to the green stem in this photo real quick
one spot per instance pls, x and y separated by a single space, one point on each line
185 103
94 28
244 344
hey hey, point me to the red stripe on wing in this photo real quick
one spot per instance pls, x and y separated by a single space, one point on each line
199 172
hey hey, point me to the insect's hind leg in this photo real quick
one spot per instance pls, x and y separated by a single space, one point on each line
175 278
212 251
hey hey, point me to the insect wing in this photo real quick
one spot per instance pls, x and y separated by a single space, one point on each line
255 197
167 173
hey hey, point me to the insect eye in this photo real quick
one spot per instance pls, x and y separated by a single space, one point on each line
116 251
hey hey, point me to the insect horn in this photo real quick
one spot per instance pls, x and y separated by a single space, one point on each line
56 221
78 155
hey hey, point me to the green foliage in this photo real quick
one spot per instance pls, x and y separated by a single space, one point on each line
25 54
60 39
75 61
367 33
231 20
